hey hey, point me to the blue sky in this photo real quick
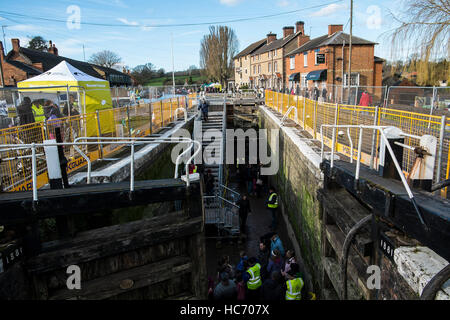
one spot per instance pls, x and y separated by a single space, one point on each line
137 36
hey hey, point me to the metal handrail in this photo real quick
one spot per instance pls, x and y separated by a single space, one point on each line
228 201
99 140
358 163
287 114
225 187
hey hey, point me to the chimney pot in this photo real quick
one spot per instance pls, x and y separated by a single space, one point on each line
300 25
271 37
15 44
287 31
333 28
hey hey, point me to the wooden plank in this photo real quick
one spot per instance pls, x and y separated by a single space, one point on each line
17 207
144 276
356 266
332 268
346 212
113 242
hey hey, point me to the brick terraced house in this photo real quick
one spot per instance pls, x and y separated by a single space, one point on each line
23 63
323 63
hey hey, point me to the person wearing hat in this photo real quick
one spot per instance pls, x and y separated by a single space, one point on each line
294 283
225 289
275 263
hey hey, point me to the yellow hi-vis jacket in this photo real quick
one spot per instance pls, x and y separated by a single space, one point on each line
255 281
294 289
38 113
275 204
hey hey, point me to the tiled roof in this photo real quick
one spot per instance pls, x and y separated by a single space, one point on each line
336 38
50 60
24 67
251 48
276 44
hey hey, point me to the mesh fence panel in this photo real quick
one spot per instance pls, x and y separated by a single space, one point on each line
316 114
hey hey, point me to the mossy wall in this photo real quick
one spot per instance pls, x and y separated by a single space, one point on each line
297 182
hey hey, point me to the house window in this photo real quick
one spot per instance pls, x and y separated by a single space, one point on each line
254 69
303 80
245 71
259 69
270 67
274 53
354 79
319 58
275 66
292 63
268 54
305 59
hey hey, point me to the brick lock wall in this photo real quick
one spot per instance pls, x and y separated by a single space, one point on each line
297 182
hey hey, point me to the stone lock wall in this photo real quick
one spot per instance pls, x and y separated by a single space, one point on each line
297 182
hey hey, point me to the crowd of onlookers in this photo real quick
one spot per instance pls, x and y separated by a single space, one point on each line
40 110
276 268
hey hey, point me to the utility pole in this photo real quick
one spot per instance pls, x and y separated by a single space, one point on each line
349 77
4 41
173 66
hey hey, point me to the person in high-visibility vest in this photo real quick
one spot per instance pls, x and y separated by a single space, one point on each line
253 279
272 206
38 112
294 284
192 168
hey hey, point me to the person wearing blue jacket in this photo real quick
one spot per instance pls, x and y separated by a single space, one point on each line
276 244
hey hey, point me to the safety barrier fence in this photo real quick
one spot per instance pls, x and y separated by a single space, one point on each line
135 121
311 115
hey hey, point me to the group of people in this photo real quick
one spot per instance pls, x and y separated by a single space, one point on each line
42 109
273 275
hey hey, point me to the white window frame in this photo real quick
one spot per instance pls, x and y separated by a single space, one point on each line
354 84
305 59
259 69
270 67
275 66
275 52
303 82
292 63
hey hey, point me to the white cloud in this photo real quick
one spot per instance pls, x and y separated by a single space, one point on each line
24 27
329 10
283 3
229 2
130 23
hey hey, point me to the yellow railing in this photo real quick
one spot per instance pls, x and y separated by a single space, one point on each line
136 121
312 114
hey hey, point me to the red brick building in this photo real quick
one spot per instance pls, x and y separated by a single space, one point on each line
323 62
23 63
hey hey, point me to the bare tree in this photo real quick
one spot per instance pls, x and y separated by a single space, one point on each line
105 58
423 33
217 50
